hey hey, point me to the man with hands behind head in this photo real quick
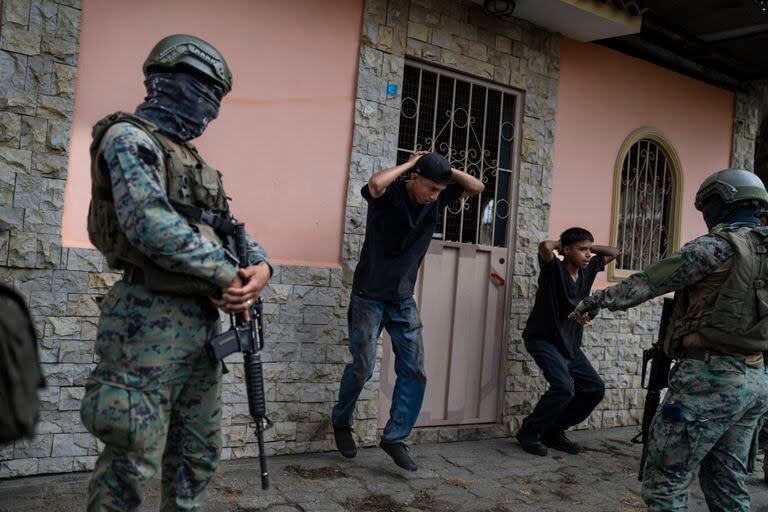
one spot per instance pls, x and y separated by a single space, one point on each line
402 215
554 341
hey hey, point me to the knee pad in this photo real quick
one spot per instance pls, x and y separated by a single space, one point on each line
121 417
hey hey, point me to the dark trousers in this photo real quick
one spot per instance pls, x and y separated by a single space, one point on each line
574 391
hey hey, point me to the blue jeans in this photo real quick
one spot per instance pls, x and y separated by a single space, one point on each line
366 319
574 391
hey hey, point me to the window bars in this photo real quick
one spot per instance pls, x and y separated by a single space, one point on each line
472 124
645 206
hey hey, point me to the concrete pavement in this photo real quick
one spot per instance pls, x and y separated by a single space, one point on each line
478 476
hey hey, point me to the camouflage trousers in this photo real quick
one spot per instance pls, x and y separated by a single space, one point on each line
763 435
707 421
154 400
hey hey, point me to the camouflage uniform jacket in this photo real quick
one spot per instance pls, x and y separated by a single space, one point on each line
148 219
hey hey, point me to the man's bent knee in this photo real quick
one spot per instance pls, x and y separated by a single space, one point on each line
363 373
597 392
562 393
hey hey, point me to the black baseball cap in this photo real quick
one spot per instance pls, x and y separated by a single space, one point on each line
434 167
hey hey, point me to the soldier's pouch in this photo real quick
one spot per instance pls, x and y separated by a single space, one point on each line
121 417
109 301
679 435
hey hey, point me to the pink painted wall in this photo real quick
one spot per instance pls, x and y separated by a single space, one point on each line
603 97
283 137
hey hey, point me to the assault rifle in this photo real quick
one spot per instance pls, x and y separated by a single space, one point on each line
247 336
658 379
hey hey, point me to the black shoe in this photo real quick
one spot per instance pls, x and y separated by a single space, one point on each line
530 442
345 443
558 441
399 454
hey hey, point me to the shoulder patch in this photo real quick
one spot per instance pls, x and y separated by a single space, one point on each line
148 156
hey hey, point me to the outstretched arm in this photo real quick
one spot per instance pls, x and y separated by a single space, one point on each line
696 260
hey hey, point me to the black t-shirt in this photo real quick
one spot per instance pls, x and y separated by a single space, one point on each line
397 236
557 296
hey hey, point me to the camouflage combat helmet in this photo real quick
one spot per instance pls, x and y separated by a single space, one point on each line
731 185
191 51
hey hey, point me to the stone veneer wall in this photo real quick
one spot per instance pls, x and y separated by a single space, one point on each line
38 68
749 104
305 307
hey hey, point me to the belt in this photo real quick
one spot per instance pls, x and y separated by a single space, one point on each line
133 275
705 354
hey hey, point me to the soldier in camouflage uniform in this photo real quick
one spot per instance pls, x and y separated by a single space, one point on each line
159 212
762 434
719 389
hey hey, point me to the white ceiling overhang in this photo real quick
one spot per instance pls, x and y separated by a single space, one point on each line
583 20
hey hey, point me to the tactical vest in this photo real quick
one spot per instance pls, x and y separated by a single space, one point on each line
735 316
192 186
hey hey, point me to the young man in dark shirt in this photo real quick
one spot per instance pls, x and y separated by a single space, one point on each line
402 216
554 341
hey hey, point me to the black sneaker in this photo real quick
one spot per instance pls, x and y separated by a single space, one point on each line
558 441
345 443
399 454
530 442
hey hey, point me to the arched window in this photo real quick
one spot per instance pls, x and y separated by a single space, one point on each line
646 202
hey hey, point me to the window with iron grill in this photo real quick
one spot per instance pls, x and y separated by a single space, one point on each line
645 224
472 124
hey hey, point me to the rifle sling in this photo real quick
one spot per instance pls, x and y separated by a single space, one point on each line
219 223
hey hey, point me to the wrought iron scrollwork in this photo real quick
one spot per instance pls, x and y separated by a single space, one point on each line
473 125
645 205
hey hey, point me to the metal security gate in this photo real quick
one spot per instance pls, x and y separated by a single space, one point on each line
461 287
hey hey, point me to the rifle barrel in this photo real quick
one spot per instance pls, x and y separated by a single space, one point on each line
262 457
257 406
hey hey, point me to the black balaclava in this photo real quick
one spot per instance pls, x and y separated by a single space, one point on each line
743 213
180 104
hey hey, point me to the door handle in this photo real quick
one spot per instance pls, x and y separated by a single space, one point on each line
497 279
